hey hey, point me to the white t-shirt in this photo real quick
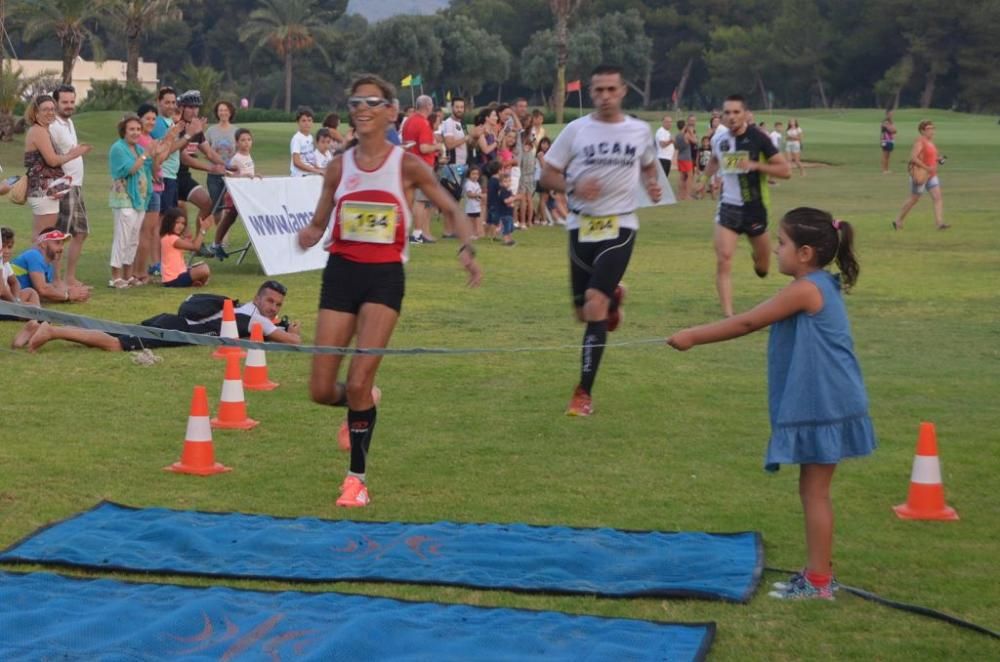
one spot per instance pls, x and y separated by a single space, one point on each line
321 160
666 153
63 134
250 310
303 146
775 137
243 164
451 128
473 205
612 153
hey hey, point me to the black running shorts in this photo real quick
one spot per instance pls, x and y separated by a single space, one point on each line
750 219
347 285
186 185
598 265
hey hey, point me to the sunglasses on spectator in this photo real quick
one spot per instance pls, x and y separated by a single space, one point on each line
354 103
276 286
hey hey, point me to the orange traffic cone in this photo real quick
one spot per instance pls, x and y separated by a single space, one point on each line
228 330
232 405
926 497
255 374
344 432
198 456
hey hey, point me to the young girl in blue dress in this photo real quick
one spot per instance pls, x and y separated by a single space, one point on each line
817 400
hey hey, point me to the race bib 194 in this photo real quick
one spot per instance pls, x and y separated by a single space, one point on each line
370 222
731 162
598 228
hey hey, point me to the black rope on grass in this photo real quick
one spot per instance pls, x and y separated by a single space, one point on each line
904 606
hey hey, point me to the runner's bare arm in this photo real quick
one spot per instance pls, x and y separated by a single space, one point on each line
651 181
775 166
312 233
553 179
417 174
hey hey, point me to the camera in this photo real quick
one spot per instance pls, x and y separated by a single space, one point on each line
284 322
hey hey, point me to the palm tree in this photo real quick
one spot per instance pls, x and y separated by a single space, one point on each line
69 21
562 10
288 27
135 18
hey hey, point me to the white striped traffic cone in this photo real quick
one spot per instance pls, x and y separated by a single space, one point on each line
198 456
926 497
228 330
232 405
255 372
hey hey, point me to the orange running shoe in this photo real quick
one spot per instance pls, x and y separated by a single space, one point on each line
580 404
344 433
616 316
353 493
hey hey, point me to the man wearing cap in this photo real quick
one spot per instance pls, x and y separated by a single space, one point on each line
263 310
35 269
189 190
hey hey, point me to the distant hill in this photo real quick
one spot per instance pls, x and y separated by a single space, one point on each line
377 10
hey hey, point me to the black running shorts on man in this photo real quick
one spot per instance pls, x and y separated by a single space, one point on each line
750 219
347 285
598 265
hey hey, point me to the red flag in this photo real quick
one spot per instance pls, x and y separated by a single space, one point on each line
673 97
573 86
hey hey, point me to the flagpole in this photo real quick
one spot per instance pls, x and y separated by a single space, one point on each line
579 95
413 98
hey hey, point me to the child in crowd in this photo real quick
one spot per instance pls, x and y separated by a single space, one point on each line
526 181
10 288
474 201
704 158
324 151
240 165
500 200
817 399
551 209
537 127
173 242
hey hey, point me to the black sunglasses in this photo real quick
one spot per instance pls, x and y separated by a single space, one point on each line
276 286
355 103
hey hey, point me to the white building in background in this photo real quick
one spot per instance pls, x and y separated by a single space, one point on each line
84 72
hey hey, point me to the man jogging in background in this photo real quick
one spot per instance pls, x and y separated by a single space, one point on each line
598 160
745 157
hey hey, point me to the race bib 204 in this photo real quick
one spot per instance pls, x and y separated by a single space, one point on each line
598 228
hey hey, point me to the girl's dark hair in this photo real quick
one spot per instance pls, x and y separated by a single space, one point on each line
169 218
145 109
830 239
240 133
493 167
545 141
331 121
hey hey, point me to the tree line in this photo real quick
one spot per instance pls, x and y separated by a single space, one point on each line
676 53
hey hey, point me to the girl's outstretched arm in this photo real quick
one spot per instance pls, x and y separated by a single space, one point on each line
800 296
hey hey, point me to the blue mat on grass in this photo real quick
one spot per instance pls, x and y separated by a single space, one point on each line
47 617
516 557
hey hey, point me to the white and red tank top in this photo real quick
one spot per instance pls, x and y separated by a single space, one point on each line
371 219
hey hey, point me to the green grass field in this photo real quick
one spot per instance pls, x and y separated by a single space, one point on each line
677 441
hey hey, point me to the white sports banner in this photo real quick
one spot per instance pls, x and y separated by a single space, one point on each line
273 210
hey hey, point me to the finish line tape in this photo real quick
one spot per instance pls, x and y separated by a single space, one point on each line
170 335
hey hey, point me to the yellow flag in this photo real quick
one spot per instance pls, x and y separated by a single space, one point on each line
406 81
448 96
